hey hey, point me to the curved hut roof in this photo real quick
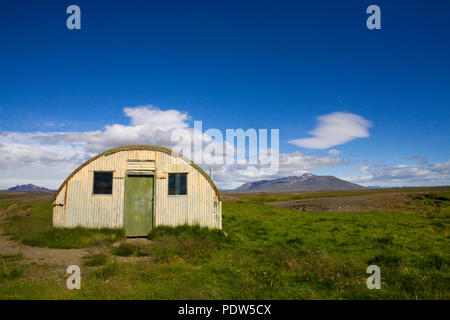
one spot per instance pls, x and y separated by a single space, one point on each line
140 147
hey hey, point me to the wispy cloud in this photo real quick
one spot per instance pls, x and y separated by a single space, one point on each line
404 175
335 129
334 152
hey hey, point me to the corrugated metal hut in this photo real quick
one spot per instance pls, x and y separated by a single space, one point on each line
137 188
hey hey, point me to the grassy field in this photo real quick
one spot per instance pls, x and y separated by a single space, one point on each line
30 222
266 252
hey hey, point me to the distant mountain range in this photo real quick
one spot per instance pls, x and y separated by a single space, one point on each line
306 182
30 188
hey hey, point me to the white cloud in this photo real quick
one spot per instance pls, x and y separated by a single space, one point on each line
334 152
405 175
335 129
47 158
147 123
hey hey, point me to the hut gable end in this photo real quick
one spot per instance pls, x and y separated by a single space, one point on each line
137 192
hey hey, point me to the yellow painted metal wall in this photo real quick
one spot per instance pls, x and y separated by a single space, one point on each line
76 205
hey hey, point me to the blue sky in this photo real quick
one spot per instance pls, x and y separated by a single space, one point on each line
232 64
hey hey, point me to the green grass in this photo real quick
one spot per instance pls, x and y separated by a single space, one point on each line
8 270
128 250
269 253
124 250
98 259
193 244
289 196
31 223
8 273
5 204
107 272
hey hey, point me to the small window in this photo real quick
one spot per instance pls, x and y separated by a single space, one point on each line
177 184
103 182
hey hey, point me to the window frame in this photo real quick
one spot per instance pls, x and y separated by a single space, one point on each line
93 182
168 184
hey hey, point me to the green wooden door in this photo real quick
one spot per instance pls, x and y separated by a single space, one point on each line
139 205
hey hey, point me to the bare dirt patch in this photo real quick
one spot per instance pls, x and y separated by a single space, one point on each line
370 202
51 256
65 257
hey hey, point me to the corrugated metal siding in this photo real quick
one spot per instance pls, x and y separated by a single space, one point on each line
75 205
141 165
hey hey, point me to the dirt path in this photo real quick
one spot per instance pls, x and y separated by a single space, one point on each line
41 255
60 257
